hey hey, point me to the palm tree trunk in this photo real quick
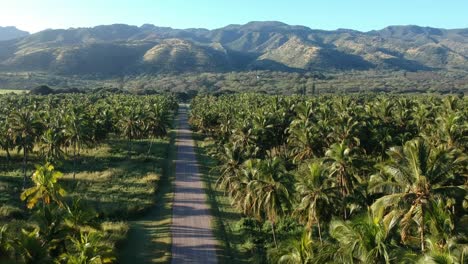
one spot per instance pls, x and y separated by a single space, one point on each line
273 231
343 196
74 162
129 147
8 156
423 248
25 162
151 145
319 232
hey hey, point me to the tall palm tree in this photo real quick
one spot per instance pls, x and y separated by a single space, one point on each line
6 138
340 162
52 141
130 126
231 164
412 180
317 195
156 123
270 192
77 132
303 134
244 136
26 127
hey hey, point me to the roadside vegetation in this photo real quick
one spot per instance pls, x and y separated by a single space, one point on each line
74 169
340 179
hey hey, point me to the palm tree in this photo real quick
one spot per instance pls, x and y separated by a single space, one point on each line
362 240
244 136
231 164
6 138
157 122
452 129
270 192
345 129
303 133
295 251
316 196
130 125
26 127
452 252
51 144
412 181
340 162
241 196
77 132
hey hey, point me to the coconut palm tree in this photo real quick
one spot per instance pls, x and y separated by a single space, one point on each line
269 193
77 131
340 162
452 129
303 135
295 251
362 240
6 138
317 195
231 164
412 180
52 141
244 136
130 125
25 127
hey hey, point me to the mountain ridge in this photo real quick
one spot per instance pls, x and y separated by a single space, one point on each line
269 45
10 32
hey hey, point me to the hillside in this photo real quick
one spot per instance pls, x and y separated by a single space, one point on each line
7 33
122 49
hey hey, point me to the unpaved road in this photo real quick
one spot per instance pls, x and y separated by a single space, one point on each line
192 238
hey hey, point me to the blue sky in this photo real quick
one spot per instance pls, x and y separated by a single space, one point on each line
364 15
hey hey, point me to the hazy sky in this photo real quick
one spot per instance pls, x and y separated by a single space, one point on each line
36 15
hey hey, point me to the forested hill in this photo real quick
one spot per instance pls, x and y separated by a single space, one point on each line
122 49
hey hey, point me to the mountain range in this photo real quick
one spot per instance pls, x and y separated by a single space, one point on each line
120 49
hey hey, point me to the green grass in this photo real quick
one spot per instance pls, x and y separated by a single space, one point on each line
118 186
115 184
149 238
7 91
225 216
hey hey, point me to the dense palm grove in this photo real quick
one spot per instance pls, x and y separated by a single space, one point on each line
343 179
57 128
